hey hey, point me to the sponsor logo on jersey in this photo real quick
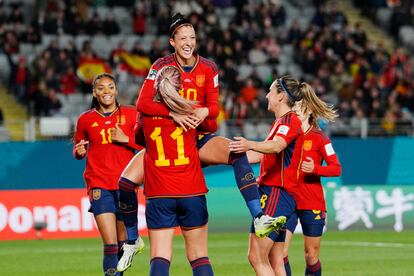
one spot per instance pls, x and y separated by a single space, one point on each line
307 144
107 122
96 194
200 80
95 124
152 74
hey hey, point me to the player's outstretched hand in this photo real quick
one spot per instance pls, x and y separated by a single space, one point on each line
185 121
80 148
308 166
118 135
239 145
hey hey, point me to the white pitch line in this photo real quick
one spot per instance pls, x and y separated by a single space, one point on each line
367 244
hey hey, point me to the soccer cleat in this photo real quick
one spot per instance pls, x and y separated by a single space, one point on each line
130 250
264 225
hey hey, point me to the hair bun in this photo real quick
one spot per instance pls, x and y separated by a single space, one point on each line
176 21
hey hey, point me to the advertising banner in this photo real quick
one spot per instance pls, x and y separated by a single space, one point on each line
49 214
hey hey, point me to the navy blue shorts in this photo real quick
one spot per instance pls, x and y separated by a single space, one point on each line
202 139
186 212
312 222
276 202
105 201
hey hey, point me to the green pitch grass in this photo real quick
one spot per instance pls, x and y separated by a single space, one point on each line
342 253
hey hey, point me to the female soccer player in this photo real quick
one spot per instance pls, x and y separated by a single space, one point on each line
174 183
311 207
280 156
200 83
105 135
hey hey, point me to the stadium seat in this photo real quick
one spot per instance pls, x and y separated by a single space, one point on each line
100 45
264 71
80 39
54 126
26 49
245 70
4 68
64 40
383 17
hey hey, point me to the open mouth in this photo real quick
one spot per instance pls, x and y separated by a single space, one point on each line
187 51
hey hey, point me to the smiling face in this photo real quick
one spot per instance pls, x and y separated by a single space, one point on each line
105 91
184 43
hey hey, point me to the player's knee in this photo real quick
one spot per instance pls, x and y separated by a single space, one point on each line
255 258
312 255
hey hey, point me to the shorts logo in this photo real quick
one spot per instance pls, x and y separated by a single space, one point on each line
200 136
152 74
317 213
200 79
263 201
307 144
248 177
96 194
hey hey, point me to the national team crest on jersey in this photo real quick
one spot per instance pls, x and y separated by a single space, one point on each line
96 194
200 80
307 144
121 120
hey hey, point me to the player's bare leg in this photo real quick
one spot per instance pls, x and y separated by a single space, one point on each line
276 258
161 243
197 250
259 249
106 223
312 246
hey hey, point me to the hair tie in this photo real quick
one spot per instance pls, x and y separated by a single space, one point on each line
284 88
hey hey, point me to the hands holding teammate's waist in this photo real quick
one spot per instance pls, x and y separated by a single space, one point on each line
190 121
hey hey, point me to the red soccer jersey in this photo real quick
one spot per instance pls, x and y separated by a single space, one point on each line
282 169
200 84
105 160
317 146
172 166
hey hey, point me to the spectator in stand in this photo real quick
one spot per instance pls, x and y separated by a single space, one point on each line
68 81
20 78
110 26
139 21
248 92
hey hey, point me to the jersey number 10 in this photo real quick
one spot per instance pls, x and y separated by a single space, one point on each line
177 135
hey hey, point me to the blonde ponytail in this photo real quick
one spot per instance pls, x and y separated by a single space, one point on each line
318 108
167 86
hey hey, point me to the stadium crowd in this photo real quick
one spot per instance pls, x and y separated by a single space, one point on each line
362 79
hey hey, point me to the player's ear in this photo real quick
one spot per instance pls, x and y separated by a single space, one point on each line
172 43
93 93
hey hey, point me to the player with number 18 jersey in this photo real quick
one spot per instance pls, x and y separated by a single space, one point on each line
106 160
